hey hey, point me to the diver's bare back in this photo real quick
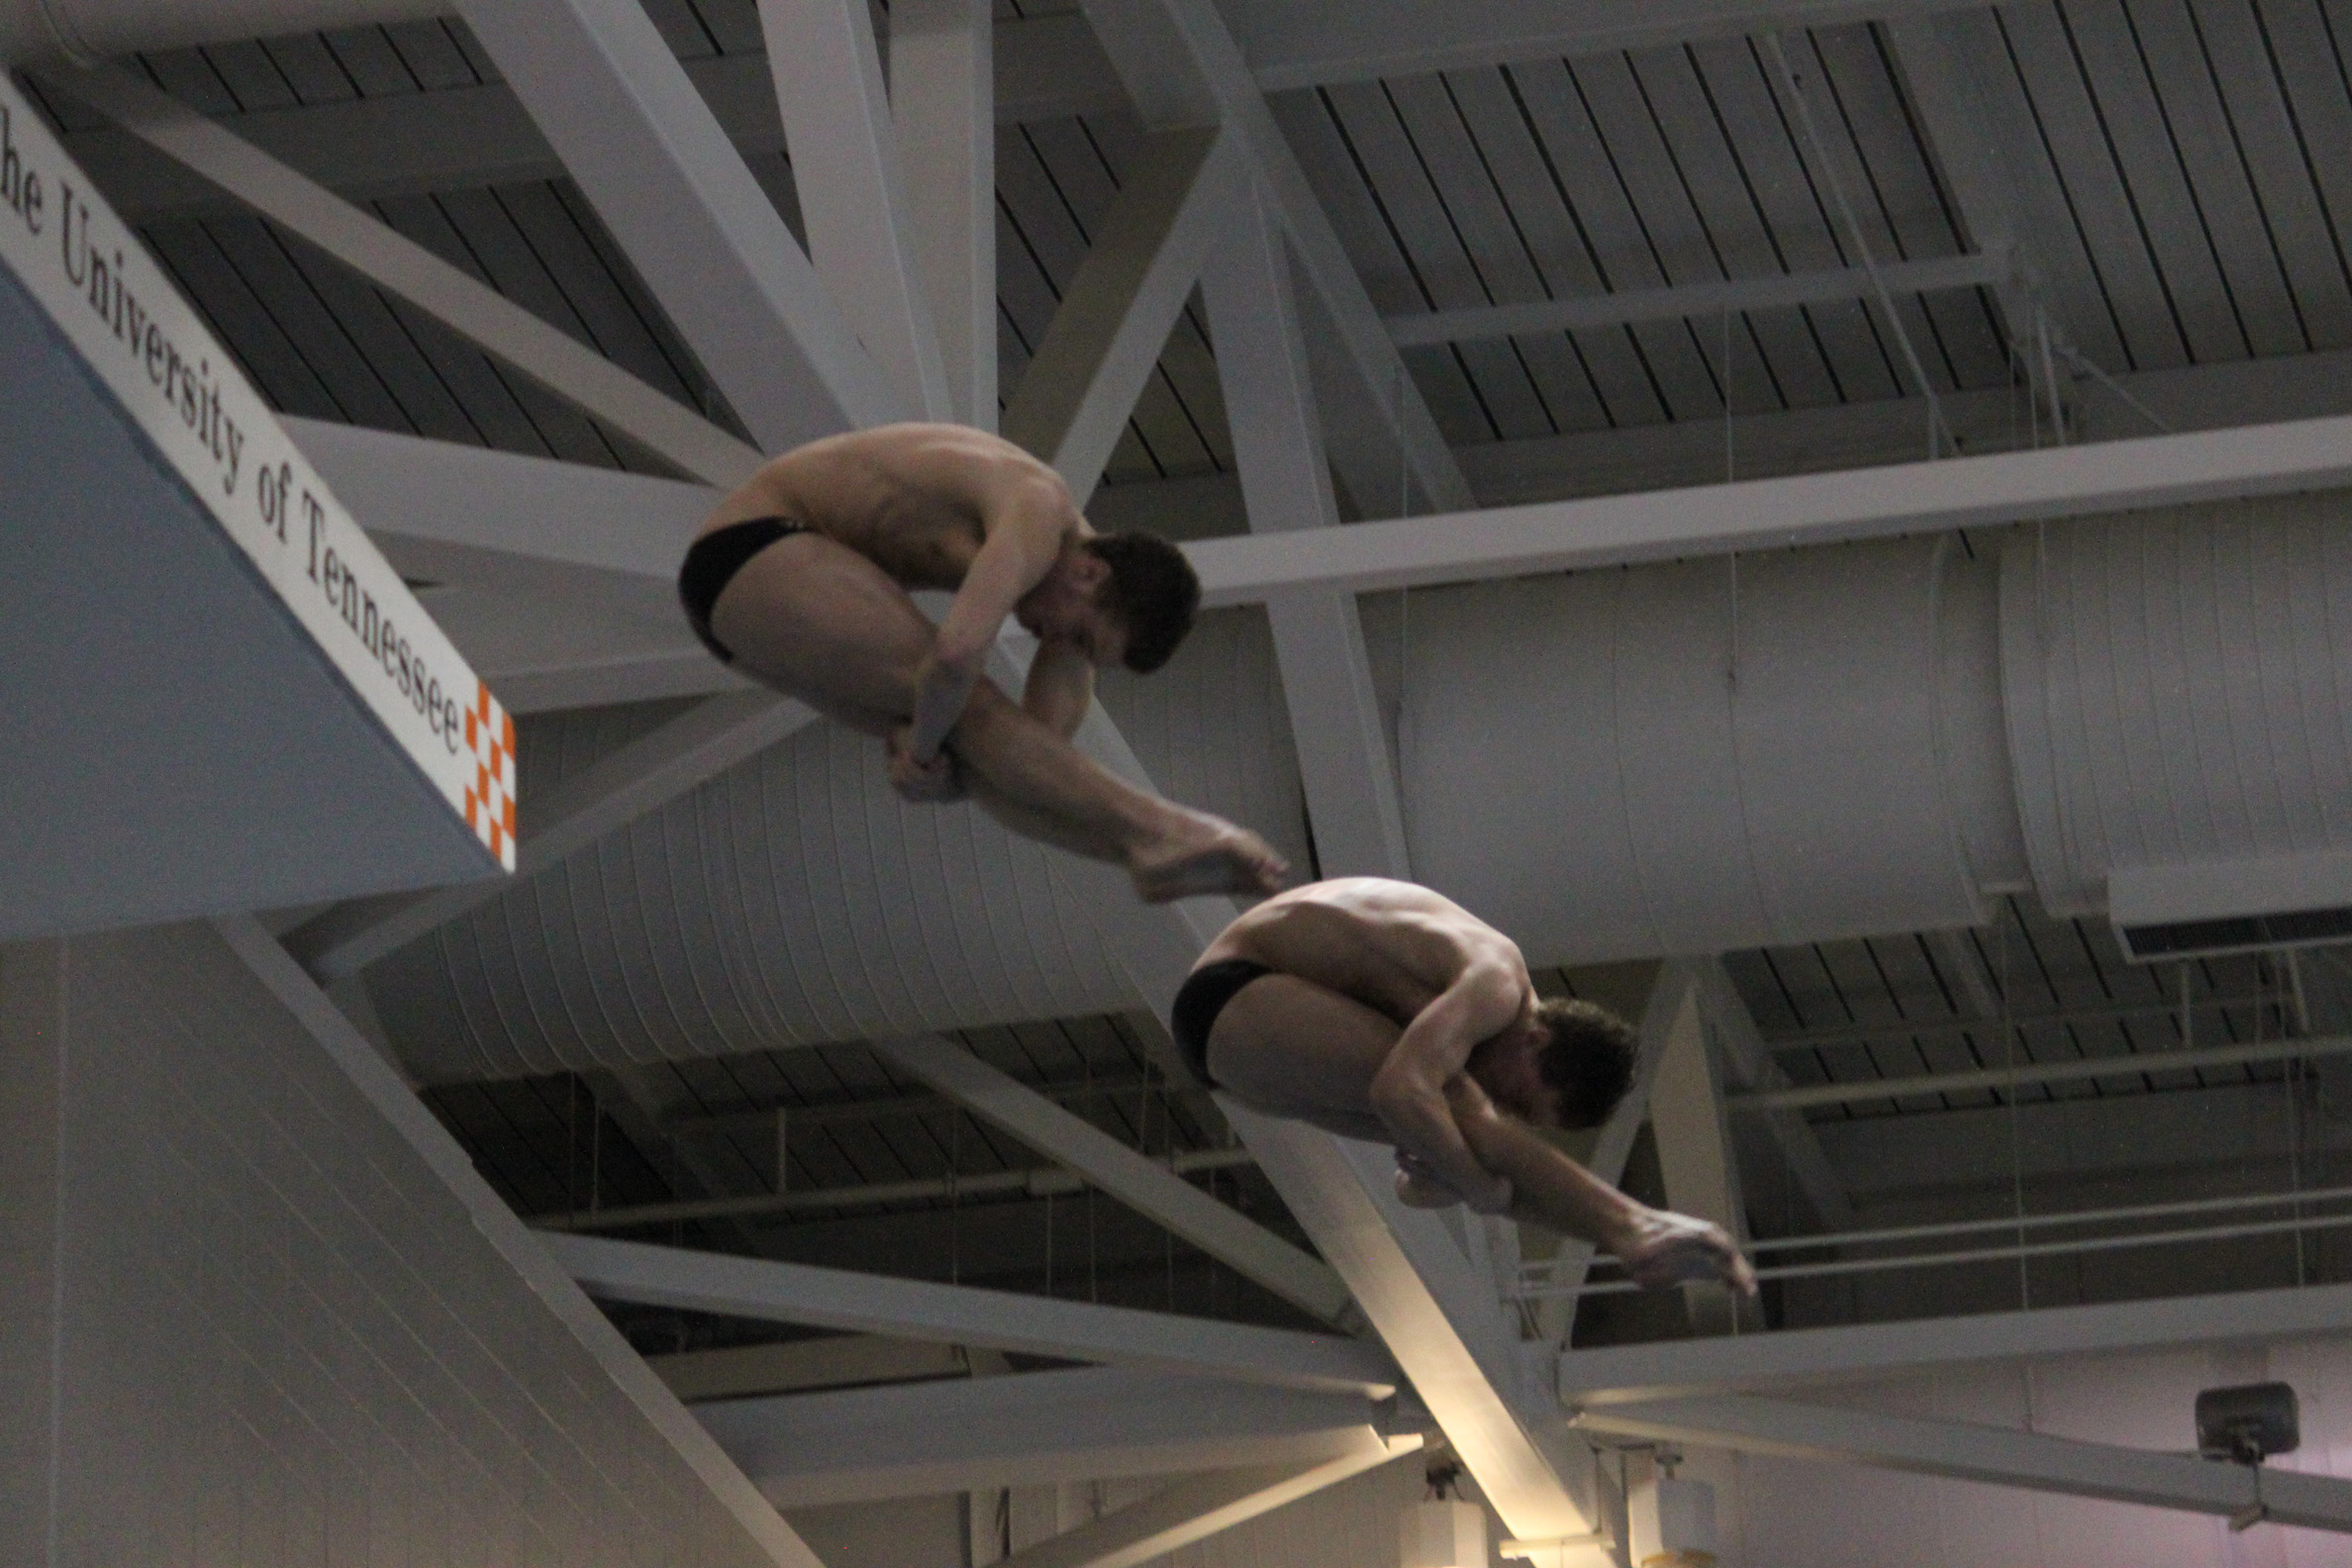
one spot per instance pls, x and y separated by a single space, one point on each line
1390 946
907 496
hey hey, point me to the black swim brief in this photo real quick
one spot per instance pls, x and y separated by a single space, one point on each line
1204 994
712 564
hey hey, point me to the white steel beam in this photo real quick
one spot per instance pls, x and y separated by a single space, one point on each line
2079 1070
537 509
1697 299
1943 60
942 102
1046 68
822 1298
1074 398
1749 1065
1087 1424
1196 1508
708 738
1981 1453
1621 1374
800 1366
1151 1188
1442 1320
1767 514
545 355
550 686
616 107
1183 69
1694 1150
853 198
1286 482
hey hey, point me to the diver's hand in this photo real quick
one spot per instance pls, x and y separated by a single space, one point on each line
1419 1186
1661 1248
925 783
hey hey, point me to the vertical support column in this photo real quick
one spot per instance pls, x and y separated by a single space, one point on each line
1286 483
942 102
853 198
1748 1064
32 1164
1694 1156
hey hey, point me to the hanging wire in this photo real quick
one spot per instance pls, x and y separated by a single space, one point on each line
2291 1081
1731 471
2089 368
2016 1105
1404 594
1878 283
2049 369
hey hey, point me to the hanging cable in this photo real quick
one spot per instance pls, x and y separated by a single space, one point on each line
1729 470
2089 368
1878 283
2016 1105
2049 369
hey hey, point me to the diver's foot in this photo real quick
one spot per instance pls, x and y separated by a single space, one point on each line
1213 857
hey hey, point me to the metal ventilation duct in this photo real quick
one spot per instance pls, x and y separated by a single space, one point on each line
793 899
1680 758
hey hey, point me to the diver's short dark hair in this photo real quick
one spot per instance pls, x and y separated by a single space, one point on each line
1589 1060
1154 591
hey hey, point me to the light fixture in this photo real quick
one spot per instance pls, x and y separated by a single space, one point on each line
2247 1424
1442 1531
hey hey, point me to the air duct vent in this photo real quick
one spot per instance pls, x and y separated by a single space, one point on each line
2209 908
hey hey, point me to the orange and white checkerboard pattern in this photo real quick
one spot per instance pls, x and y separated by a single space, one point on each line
490 798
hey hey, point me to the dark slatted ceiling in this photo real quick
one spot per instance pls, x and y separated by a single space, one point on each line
1897 1007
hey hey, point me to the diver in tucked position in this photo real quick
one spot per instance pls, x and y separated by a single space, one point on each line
1379 1009
801 576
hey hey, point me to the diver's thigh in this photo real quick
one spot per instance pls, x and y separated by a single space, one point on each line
821 622
1286 1041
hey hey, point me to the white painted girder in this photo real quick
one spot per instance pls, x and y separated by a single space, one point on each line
2076 1070
1697 300
1106 338
536 509
970 1434
1771 514
1749 1067
1980 1453
1182 68
824 1297
1790 1358
1151 1188
1286 483
616 107
854 200
1198 1508
1441 1319
943 106
374 251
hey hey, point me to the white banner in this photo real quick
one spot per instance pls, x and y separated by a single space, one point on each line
151 350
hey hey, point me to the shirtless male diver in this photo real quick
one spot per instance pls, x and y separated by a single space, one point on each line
800 578
1379 1009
